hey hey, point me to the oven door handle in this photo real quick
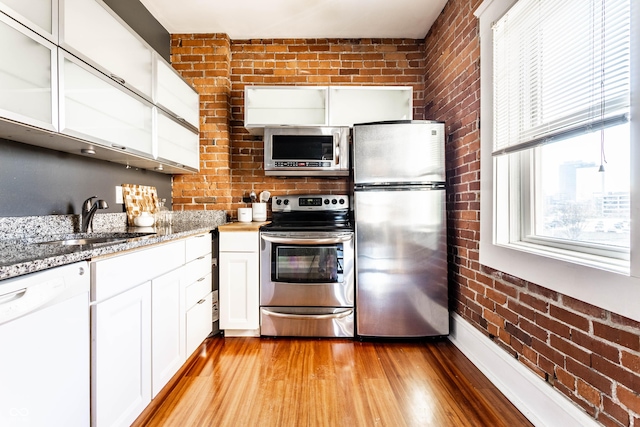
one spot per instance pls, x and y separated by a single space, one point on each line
307 241
339 315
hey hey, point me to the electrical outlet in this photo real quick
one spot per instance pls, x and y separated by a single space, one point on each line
119 194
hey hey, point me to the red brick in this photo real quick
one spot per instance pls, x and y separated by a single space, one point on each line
615 411
589 375
615 372
568 317
630 399
618 336
595 345
571 350
589 393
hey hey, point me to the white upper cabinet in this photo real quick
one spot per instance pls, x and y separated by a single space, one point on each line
27 76
174 95
40 16
96 109
97 86
90 30
363 104
324 106
284 105
176 143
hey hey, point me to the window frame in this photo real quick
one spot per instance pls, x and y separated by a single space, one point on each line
589 280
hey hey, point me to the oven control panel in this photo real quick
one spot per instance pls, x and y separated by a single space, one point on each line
313 202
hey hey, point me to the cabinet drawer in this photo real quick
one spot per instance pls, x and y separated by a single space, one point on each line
198 246
239 241
199 323
197 269
197 290
113 275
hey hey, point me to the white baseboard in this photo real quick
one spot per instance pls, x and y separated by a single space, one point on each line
537 400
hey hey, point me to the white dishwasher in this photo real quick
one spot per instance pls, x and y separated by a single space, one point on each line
44 336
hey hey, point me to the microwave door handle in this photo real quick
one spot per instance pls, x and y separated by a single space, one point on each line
337 148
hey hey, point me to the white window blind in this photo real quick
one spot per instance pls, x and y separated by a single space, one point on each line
561 67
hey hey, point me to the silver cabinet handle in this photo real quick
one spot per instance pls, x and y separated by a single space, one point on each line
118 79
201 301
12 296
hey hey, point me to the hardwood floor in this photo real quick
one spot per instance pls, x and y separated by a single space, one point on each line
327 382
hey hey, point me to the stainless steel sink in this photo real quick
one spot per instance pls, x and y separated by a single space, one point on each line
93 240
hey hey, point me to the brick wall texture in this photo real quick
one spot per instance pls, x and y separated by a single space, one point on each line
588 354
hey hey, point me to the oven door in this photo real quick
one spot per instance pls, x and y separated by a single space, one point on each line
306 269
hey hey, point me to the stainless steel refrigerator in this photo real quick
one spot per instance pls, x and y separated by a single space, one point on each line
400 221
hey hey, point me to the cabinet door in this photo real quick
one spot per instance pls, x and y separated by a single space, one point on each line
177 143
89 29
40 16
265 106
365 104
121 357
175 95
238 291
98 110
27 76
167 329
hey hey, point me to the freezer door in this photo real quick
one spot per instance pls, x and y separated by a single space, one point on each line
401 263
399 152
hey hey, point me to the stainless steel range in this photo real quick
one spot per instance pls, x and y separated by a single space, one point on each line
307 268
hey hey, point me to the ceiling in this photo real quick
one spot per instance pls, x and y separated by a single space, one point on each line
266 19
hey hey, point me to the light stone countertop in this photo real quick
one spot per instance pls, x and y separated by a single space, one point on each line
21 238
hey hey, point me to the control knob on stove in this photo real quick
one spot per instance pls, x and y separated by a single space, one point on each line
286 202
278 202
326 201
334 201
342 201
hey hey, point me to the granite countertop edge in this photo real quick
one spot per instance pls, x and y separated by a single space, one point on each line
24 255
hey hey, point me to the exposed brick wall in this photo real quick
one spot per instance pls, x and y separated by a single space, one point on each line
232 162
589 354
204 61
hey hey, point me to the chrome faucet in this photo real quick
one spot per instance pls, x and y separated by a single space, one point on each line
88 210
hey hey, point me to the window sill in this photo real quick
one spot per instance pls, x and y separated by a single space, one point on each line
618 266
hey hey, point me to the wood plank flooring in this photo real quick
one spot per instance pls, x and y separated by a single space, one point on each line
329 382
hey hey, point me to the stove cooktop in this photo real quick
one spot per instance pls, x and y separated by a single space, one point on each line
326 212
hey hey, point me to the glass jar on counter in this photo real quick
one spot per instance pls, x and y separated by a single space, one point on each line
164 216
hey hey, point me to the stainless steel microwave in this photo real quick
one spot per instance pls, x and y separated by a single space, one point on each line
305 151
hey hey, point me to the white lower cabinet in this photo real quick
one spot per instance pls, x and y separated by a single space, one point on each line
167 329
239 283
150 310
121 357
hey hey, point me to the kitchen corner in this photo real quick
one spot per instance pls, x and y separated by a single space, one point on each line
21 251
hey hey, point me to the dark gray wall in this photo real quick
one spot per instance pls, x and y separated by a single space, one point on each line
37 181
140 19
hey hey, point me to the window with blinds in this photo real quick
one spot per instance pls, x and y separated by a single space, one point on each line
561 68
561 129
